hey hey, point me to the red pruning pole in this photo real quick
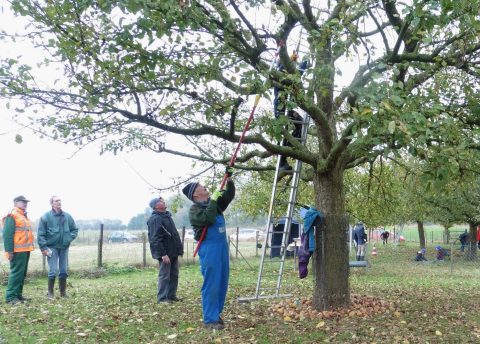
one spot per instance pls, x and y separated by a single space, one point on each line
240 141
230 164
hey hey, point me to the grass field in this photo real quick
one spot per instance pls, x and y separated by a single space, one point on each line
429 303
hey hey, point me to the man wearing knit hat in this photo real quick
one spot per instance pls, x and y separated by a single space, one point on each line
166 247
206 213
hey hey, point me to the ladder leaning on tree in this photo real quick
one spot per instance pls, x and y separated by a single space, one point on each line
271 268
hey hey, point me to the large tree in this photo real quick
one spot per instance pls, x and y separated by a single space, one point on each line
135 70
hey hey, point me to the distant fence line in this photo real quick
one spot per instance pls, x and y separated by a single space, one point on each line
92 250
431 236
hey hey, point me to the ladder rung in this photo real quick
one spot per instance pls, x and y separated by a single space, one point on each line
268 288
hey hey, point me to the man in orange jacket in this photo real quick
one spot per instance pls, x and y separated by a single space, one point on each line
18 243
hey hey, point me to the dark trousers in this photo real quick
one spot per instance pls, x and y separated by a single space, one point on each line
167 280
16 278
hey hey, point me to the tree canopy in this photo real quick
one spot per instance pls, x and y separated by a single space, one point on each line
385 77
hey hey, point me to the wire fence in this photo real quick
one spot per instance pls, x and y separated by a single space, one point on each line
88 252
95 249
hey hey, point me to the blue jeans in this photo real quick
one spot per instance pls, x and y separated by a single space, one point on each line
58 263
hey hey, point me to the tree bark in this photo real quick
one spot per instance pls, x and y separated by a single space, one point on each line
472 242
446 235
421 234
332 289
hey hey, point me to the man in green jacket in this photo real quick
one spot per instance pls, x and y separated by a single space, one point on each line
56 231
206 213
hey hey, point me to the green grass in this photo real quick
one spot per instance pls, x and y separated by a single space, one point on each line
436 304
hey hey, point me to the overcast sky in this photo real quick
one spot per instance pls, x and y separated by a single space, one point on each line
90 185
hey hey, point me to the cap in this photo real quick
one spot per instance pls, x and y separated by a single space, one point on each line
154 202
20 198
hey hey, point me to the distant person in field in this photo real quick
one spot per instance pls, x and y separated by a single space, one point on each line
360 238
56 231
166 247
478 236
441 253
18 243
463 240
206 213
384 236
421 255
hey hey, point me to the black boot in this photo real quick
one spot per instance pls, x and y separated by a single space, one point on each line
51 285
63 287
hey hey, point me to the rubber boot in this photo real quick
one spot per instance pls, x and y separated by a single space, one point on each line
51 285
63 287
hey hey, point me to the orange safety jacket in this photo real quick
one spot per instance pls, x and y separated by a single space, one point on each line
23 236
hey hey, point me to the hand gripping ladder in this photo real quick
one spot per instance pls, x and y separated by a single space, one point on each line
271 268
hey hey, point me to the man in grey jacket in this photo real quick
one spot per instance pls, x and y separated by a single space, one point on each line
166 247
56 231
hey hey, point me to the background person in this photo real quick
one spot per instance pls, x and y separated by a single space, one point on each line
166 247
18 243
420 257
213 252
360 238
441 253
384 236
56 231
463 240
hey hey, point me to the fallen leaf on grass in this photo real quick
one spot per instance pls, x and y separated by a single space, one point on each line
320 324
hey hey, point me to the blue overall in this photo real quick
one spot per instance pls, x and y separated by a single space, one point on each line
214 266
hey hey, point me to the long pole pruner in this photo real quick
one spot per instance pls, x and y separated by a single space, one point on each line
240 141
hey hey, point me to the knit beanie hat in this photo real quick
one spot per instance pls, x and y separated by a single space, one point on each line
189 189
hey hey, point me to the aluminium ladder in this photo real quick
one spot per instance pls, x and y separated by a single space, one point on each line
271 268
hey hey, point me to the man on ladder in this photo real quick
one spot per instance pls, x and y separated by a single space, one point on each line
280 98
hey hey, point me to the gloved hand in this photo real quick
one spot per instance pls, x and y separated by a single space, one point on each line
229 171
216 194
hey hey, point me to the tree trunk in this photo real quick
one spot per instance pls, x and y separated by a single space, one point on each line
421 234
332 289
446 235
472 242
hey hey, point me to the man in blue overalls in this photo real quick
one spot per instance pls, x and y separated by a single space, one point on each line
207 212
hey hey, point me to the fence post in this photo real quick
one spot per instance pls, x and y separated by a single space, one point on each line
100 247
144 241
183 235
451 258
236 248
